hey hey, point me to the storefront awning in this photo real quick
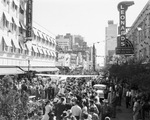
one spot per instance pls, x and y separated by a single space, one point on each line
44 69
39 34
35 49
48 52
45 52
22 25
44 36
51 53
22 46
40 50
28 46
50 39
35 32
22 7
16 43
16 2
54 54
8 17
10 70
7 41
16 21
54 41
47 38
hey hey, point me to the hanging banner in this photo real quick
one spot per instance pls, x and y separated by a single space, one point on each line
29 20
124 46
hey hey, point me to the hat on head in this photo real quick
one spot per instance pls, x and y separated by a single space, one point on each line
105 101
107 118
92 109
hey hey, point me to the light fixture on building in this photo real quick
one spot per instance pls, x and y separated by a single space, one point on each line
139 28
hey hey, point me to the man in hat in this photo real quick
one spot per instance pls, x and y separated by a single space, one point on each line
60 107
93 114
106 110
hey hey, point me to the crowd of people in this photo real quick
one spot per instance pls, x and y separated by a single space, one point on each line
76 99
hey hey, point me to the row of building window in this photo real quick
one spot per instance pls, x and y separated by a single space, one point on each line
12 27
16 48
44 41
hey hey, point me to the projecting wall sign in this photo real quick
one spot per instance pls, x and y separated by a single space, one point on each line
124 46
29 20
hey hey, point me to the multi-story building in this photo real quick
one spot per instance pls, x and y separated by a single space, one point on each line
78 41
17 55
73 44
110 40
64 43
139 35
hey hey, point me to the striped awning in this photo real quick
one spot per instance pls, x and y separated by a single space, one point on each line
7 40
8 17
16 43
35 49
40 50
35 32
22 25
16 21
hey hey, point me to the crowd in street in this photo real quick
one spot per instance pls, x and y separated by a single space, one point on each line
76 99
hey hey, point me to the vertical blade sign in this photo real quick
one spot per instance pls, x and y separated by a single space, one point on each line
29 20
122 12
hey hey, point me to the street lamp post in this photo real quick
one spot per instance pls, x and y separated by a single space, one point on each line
28 68
93 56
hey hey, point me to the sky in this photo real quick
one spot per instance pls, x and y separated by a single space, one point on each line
87 18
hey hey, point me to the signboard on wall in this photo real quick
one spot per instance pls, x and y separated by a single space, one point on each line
29 20
124 46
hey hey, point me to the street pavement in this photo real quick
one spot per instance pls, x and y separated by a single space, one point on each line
123 113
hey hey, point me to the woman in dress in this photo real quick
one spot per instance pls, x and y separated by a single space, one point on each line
47 110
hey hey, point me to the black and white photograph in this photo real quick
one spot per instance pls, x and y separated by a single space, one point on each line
74 59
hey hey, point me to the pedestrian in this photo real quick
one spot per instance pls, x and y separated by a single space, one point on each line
60 107
93 114
128 98
114 103
106 110
47 110
136 108
92 104
76 110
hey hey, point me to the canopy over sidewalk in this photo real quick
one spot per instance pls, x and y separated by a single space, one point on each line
77 76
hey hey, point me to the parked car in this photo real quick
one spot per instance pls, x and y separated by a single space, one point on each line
100 93
99 86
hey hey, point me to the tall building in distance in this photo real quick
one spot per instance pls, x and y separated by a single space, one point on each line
76 47
110 41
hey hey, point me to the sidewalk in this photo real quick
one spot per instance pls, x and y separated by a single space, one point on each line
123 113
